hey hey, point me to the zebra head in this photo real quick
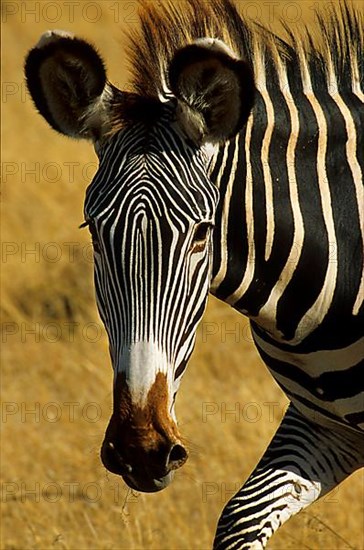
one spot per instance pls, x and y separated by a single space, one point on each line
150 210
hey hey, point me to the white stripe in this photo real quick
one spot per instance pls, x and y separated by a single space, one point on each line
339 408
351 154
315 364
220 276
250 264
319 309
351 148
262 88
359 180
268 312
318 362
141 362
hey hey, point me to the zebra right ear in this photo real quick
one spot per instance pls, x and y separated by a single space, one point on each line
66 78
215 90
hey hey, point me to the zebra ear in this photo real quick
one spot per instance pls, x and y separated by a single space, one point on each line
66 78
215 90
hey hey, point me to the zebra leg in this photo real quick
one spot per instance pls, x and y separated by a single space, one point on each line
303 462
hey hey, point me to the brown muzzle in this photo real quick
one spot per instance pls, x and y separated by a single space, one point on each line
142 443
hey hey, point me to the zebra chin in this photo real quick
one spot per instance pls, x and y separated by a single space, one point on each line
149 485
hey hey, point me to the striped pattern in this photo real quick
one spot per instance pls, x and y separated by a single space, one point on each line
287 480
294 265
151 283
286 198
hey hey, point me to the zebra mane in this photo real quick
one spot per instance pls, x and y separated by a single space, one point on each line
331 50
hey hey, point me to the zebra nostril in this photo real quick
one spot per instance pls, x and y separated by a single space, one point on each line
113 461
177 456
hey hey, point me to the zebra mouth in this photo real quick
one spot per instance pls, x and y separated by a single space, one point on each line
148 485
138 479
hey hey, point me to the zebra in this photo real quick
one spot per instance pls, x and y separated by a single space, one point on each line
232 165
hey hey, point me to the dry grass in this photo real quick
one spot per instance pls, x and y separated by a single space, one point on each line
55 494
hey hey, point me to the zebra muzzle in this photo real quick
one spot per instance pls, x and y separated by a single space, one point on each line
142 443
146 471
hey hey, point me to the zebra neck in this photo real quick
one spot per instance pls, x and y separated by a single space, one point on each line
228 172
282 252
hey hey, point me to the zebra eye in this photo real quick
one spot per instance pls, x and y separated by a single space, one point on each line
201 231
200 236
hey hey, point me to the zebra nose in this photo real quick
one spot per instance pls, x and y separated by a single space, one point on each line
154 463
177 457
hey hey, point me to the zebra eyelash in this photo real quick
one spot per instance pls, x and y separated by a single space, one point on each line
200 236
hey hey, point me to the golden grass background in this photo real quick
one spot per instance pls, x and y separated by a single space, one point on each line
55 493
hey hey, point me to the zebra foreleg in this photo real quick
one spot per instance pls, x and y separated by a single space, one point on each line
303 462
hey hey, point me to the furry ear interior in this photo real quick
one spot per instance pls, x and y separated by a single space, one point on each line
215 90
66 78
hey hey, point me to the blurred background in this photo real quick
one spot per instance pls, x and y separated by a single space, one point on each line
57 379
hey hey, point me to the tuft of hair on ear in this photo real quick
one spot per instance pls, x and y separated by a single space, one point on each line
65 76
216 90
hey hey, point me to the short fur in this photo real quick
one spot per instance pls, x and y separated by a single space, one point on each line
76 75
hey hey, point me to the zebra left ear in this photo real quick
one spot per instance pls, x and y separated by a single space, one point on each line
66 79
215 90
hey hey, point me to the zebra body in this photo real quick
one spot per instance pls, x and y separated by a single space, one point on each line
235 165
311 341
307 315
